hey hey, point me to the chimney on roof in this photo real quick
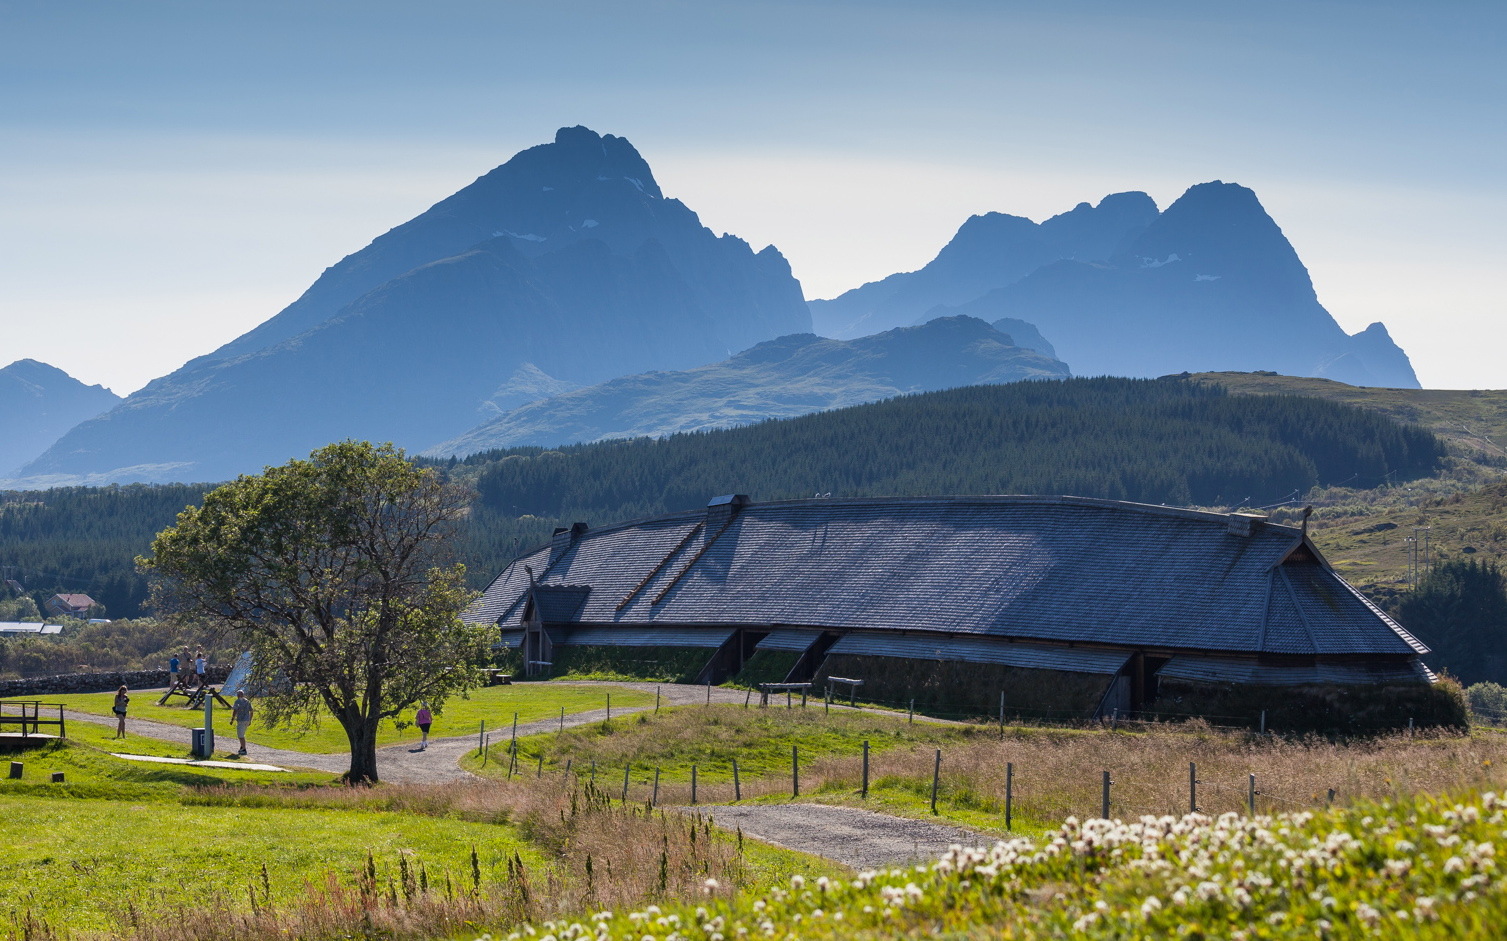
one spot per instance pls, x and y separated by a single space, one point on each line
721 510
563 539
1243 524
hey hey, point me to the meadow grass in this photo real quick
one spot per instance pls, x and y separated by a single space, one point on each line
710 737
493 705
1054 772
159 851
100 864
92 771
1416 868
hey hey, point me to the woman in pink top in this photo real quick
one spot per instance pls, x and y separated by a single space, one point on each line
422 719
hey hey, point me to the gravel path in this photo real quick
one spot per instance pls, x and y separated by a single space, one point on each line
406 764
862 839
858 838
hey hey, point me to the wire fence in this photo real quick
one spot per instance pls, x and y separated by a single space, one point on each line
1038 777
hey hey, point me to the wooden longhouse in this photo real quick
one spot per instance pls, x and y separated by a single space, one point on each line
1059 606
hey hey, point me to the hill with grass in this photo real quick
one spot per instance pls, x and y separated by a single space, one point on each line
1142 440
781 378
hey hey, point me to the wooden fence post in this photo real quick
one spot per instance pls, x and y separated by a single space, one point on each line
626 769
693 784
1009 793
737 785
936 776
1105 803
654 798
795 772
865 792
1192 788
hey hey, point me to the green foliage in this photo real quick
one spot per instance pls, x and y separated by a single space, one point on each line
1488 703
86 539
19 608
140 644
330 570
1459 609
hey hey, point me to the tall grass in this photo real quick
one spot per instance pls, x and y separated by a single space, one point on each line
602 853
1055 773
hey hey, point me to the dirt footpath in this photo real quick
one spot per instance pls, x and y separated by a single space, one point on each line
858 838
861 839
406 764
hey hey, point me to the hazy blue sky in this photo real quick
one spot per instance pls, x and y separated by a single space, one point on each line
173 173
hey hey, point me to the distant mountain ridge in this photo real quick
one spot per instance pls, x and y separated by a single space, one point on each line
1121 289
782 378
38 404
567 260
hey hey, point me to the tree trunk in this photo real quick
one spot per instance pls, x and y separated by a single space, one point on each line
361 732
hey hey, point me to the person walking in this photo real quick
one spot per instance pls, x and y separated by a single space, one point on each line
200 664
241 710
122 702
423 718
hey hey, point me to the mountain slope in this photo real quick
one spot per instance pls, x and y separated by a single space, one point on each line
782 378
38 403
989 251
565 266
1209 284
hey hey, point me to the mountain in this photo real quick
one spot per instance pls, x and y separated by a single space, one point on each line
793 375
565 266
1211 284
989 251
38 403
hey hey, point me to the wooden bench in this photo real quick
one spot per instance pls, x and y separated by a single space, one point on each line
28 715
787 688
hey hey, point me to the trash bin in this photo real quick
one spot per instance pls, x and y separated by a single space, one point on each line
198 748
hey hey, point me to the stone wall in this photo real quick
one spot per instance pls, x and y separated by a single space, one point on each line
97 682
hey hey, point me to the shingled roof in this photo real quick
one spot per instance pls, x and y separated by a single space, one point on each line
1055 570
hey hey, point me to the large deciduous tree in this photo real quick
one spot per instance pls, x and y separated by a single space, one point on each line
333 570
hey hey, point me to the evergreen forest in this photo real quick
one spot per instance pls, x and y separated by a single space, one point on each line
1152 441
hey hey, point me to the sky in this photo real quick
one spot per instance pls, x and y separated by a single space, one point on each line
174 173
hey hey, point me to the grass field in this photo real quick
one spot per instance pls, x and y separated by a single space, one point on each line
1054 772
493 705
710 737
88 864
157 852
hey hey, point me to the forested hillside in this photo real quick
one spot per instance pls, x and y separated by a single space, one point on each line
84 539
1151 441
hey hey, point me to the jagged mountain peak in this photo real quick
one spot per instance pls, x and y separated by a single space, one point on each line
566 265
38 403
